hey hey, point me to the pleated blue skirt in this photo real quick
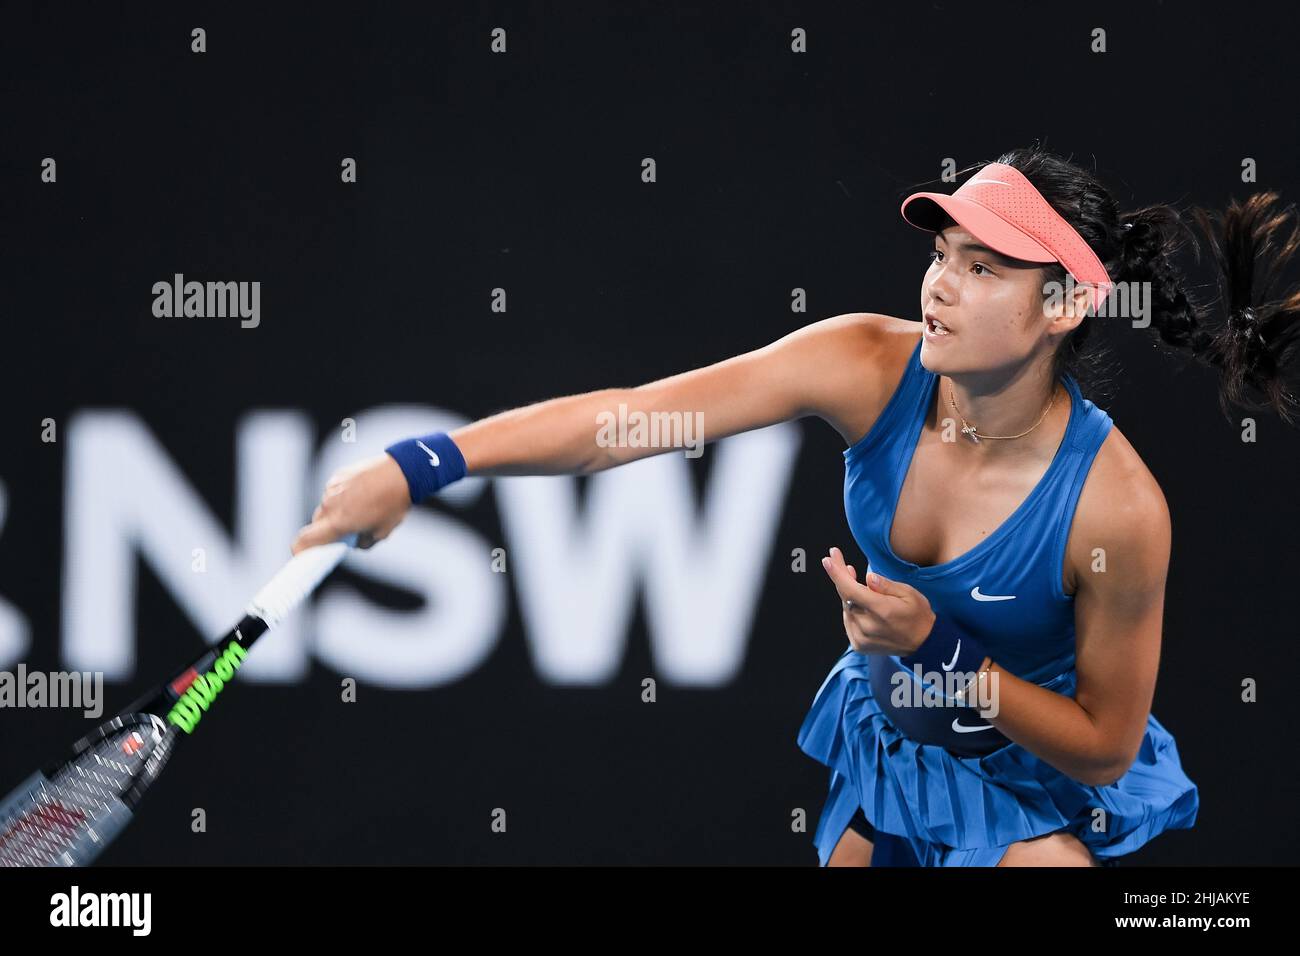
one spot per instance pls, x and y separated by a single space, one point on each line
966 811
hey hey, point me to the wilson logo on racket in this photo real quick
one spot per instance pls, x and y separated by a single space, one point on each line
204 688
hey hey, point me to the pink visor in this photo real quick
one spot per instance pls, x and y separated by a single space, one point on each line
1003 210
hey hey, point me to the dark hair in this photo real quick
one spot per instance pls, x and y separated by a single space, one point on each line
1249 337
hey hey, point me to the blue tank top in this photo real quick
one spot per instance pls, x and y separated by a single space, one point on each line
1007 589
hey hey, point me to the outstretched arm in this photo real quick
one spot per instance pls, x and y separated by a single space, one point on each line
815 370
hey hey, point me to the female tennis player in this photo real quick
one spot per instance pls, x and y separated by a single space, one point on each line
993 706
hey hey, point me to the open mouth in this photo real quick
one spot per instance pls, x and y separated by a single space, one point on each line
935 328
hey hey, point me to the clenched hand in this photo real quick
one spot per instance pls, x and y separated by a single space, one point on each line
370 498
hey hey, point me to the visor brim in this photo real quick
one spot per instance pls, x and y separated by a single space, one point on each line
925 211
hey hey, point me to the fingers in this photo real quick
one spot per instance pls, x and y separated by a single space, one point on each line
858 634
354 500
323 532
318 532
846 582
861 619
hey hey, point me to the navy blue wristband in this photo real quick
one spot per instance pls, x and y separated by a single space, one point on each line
947 650
429 463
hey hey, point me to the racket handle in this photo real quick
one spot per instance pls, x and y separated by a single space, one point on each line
297 579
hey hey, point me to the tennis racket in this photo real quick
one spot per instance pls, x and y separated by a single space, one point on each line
68 812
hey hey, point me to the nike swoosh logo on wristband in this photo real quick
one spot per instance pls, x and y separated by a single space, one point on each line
953 663
434 461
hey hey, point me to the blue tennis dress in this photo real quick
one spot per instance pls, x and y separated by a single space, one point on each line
955 810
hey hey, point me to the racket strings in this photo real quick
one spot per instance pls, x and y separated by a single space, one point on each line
63 819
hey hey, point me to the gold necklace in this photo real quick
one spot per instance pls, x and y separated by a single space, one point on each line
968 429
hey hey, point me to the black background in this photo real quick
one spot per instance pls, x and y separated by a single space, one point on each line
522 171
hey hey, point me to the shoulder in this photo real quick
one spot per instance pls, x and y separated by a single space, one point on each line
861 356
1123 512
861 329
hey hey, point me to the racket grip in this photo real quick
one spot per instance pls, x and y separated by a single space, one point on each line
297 579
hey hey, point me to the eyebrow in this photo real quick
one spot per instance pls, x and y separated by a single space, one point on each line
976 247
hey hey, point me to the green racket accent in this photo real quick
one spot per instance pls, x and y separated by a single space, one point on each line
204 688
66 813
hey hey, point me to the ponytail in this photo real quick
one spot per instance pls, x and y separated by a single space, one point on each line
1248 335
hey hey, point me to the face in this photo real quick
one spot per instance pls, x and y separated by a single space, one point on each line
992 305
